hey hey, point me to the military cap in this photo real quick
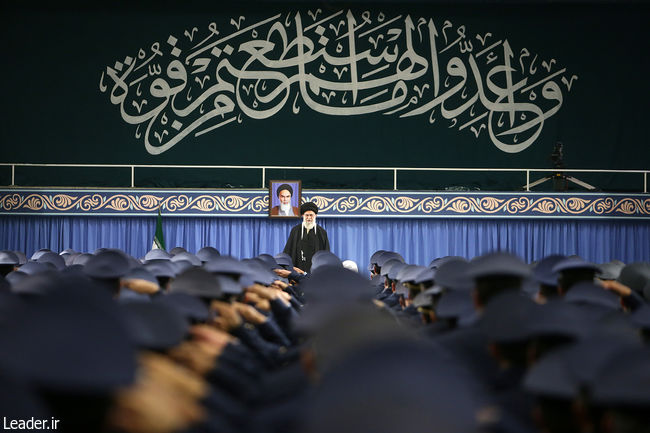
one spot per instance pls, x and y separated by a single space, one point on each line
422 299
191 307
386 267
586 292
409 272
8 258
161 268
196 282
402 273
133 262
107 264
558 318
177 250
388 255
308 206
225 265
73 269
543 271
319 252
454 274
439 261
71 340
269 261
248 279
140 273
229 286
68 255
258 262
394 270
551 377
14 277
434 263
199 282
336 284
498 264
375 255
81 259
610 270
53 258
324 258
157 254
69 258
284 260
207 253
39 253
588 356
401 289
256 271
435 289
624 381
181 265
422 275
33 268
506 317
456 304
184 255
391 269
574 262
636 276
22 259
154 325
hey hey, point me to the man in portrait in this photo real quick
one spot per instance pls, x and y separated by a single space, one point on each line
284 193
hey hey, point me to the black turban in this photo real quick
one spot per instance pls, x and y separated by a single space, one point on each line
283 187
309 206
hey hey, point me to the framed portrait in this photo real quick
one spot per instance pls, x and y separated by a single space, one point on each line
284 198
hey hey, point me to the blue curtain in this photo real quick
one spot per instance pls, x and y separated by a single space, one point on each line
418 240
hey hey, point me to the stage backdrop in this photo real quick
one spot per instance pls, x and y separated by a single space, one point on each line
419 240
478 84
421 226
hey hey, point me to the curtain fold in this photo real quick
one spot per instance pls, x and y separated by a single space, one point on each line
418 240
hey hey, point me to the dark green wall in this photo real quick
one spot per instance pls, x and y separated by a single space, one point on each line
53 110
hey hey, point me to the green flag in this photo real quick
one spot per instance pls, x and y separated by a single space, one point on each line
158 238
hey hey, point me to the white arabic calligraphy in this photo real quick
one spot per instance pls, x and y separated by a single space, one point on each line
344 64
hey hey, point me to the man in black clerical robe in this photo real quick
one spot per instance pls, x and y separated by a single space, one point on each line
306 238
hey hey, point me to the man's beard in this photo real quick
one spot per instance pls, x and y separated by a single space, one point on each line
285 208
308 225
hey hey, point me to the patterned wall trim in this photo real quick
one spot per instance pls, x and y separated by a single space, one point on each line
397 204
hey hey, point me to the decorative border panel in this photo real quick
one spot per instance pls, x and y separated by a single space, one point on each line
254 203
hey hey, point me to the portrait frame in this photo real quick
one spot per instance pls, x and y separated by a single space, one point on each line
274 199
